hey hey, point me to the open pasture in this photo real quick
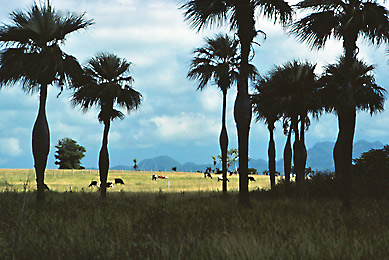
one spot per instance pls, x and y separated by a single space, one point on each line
140 181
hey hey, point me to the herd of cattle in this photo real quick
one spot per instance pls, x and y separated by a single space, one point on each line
207 174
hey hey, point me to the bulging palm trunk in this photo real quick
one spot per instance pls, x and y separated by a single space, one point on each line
272 156
224 142
41 143
343 152
346 119
104 160
288 157
242 108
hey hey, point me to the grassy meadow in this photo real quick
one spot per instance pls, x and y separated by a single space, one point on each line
140 181
188 220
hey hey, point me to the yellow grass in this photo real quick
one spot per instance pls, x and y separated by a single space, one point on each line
78 180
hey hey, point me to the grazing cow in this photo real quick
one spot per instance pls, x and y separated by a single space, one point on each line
220 178
109 184
162 177
174 169
93 183
154 177
119 181
207 174
251 178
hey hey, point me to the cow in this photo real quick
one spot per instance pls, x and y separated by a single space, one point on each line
207 174
93 183
174 169
119 181
162 177
251 178
154 177
109 184
220 178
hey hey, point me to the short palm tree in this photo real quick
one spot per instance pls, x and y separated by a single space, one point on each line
368 96
107 83
217 62
345 20
293 94
266 109
240 14
32 55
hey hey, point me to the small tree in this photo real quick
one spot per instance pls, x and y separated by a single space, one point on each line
69 154
135 164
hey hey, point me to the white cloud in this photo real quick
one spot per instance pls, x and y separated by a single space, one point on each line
10 147
186 127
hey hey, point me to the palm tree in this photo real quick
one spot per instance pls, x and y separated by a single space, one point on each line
293 95
217 61
344 20
266 109
367 95
107 83
241 16
32 55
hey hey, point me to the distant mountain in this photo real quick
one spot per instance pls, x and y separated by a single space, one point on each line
320 155
319 158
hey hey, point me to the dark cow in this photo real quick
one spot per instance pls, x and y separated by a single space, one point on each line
93 183
109 184
154 177
251 178
207 175
220 178
119 181
174 169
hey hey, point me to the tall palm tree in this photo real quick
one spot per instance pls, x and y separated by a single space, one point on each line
266 109
344 20
218 62
107 84
32 55
293 94
240 14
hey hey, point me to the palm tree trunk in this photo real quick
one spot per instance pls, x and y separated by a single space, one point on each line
288 156
346 119
242 108
224 143
272 156
41 143
302 150
104 160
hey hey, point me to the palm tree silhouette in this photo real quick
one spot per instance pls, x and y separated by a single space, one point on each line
241 16
367 95
32 56
217 62
107 83
344 20
292 92
266 109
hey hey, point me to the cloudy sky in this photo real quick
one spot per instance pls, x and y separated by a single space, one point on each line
174 119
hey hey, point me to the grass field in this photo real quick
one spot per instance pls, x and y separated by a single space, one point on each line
62 180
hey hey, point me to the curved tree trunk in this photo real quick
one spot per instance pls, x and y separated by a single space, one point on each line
302 152
242 108
272 156
41 143
288 156
346 119
104 160
224 143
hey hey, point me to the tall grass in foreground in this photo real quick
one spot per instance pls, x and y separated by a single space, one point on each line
201 225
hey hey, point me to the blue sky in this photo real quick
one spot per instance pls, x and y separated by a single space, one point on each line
174 119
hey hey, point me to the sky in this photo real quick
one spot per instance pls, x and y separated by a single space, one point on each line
174 119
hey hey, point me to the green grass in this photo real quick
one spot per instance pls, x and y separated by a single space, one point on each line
62 180
198 225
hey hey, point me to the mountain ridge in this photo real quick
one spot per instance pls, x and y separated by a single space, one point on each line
319 158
